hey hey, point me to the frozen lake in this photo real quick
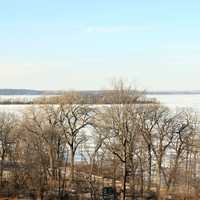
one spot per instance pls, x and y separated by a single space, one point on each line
172 101
179 101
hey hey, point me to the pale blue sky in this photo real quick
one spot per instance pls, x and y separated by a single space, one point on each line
83 44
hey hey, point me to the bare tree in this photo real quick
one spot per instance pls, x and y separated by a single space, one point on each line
7 126
73 119
184 133
41 123
158 127
118 122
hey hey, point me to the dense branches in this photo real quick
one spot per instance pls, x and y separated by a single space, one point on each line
136 147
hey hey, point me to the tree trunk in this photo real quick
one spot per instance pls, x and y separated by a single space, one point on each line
149 167
2 162
124 181
51 163
173 174
72 165
158 179
142 182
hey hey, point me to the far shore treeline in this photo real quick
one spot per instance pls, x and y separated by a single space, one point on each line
28 97
86 97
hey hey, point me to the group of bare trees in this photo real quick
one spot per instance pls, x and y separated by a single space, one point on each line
71 146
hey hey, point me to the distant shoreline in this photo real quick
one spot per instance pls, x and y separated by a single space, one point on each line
28 92
32 97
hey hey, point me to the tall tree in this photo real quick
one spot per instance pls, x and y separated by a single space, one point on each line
74 118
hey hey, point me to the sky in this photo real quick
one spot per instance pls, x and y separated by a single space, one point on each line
84 44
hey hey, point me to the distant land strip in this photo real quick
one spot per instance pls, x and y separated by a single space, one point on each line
28 97
12 92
